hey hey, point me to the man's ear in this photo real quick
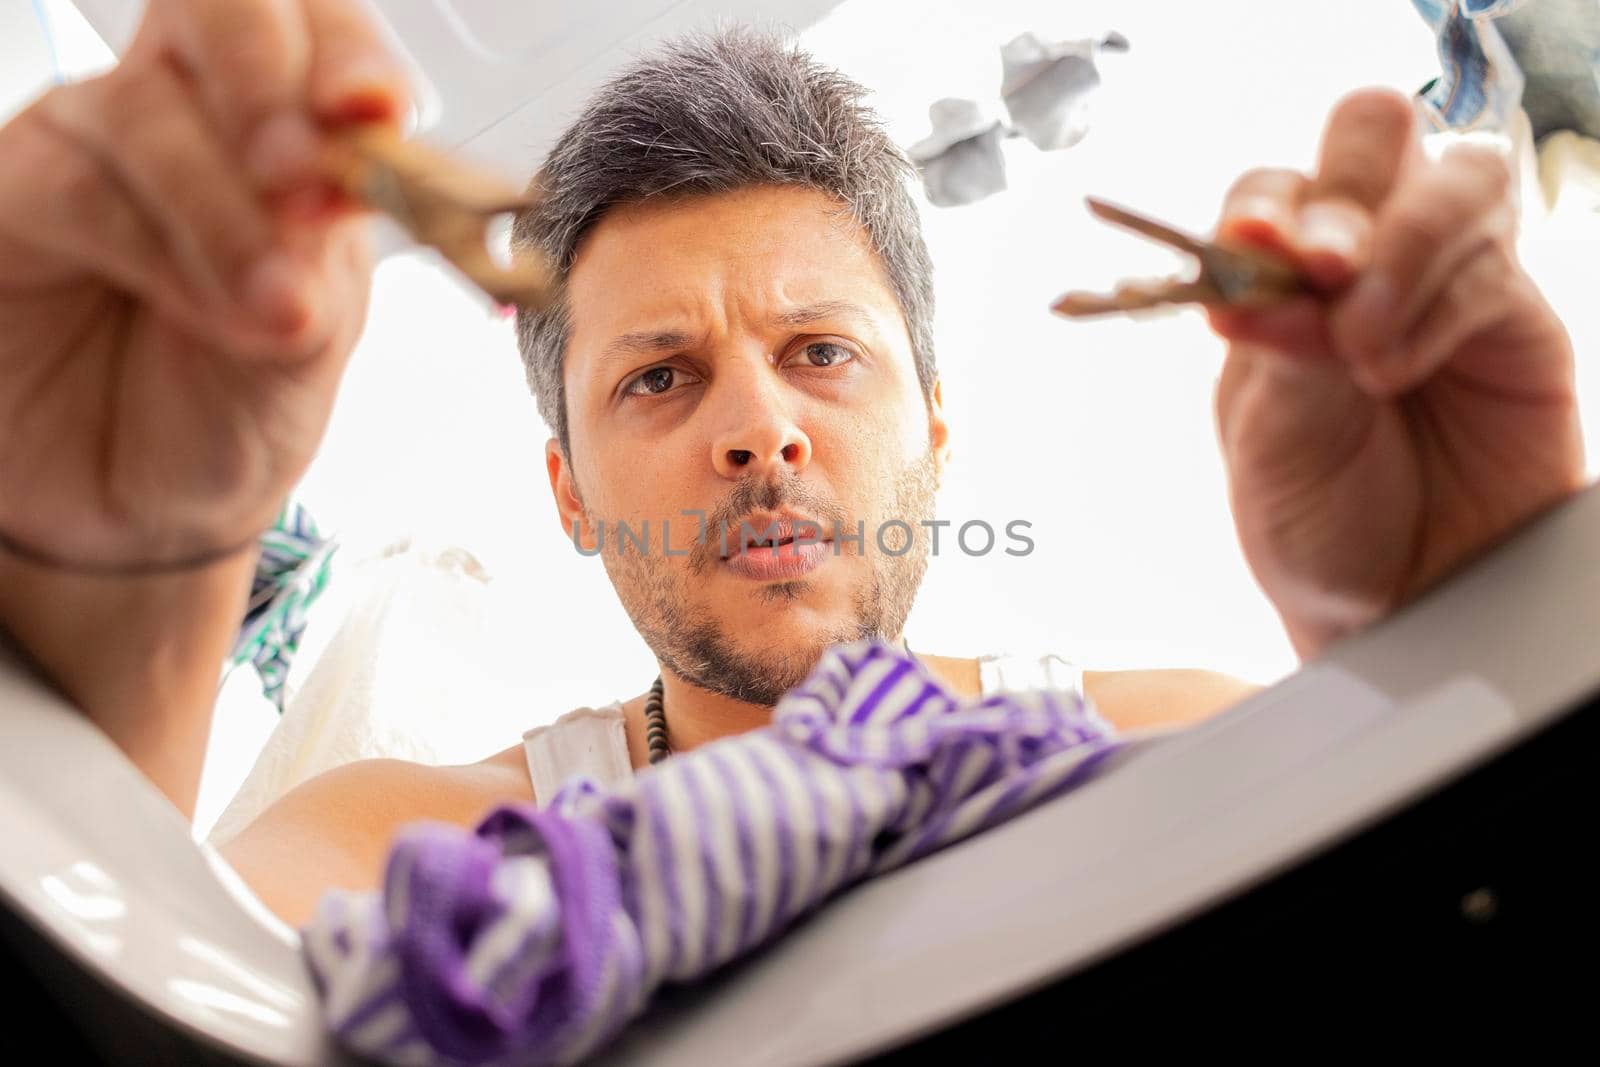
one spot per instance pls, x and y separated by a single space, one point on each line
938 428
574 523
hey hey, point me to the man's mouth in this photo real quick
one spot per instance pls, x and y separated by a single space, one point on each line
768 548
771 533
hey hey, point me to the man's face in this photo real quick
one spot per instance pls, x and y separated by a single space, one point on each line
742 355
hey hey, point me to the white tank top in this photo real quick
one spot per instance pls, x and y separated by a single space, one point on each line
593 742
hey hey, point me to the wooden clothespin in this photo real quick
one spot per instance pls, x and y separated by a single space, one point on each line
445 204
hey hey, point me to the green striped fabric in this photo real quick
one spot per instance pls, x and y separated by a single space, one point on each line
291 572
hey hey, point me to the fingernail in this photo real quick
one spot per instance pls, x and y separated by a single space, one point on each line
1367 321
1324 229
283 150
1262 209
364 90
273 294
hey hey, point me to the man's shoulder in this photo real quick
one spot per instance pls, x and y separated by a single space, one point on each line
511 759
1128 699
387 790
334 830
960 673
1142 699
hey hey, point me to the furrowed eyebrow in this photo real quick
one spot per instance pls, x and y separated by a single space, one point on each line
642 342
826 309
647 341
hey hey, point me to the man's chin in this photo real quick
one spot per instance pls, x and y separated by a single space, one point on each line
786 615
791 652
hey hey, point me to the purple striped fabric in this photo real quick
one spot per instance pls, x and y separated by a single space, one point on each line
537 937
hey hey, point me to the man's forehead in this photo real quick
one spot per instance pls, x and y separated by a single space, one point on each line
796 235
745 210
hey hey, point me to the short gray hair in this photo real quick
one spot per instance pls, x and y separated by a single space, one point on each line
711 113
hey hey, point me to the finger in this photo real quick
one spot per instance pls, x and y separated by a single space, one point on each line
1335 242
1294 329
82 222
248 57
1261 209
1267 209
144 125
354 76
1473 297
1369 143
1429 228
339 264
333 263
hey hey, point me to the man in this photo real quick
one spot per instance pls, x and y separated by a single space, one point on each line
743 330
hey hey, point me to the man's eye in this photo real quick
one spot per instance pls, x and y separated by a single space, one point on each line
827 354
653 382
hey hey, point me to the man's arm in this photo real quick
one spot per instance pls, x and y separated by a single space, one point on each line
173 325
1416 404
1129 700
1137 700
334 831
140 656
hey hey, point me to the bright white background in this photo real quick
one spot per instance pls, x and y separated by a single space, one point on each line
1100 435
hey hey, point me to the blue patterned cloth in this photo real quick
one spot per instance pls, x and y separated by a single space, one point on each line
291 572
1498 55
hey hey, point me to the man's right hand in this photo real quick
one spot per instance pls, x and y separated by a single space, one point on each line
179 290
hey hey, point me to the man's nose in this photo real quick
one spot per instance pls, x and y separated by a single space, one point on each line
760 435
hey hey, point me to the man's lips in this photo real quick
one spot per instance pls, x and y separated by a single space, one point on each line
772 533
788 559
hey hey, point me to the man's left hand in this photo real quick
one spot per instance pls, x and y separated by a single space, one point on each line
1417 405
